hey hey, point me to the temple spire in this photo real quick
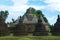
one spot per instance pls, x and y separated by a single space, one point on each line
58 16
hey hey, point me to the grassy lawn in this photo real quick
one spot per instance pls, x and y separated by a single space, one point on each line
30 38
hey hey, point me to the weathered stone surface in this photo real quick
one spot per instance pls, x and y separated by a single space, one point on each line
29 18
40 29
56 28
20 29
26 24
30 24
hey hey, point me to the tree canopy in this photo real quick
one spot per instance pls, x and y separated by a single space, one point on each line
3 15
38 13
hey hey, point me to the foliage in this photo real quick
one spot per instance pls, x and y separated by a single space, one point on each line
13 20
3 15
28 11
38 13
32 10
30 38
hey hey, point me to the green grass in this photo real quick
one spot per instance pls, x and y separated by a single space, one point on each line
30 38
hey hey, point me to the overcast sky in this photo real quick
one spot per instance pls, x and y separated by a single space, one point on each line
50 8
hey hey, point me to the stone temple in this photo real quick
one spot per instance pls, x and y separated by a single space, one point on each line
41 28
56 28
30 24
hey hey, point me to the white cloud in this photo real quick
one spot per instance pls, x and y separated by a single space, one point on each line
18 8
53 5
20 2
52 1
52 19
19 5
15 10
37 7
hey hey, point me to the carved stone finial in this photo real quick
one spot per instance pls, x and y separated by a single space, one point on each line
20 20
20 17
58 16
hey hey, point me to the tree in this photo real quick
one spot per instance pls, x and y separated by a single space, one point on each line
3 15
33 11
3 25
13 20
38 13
